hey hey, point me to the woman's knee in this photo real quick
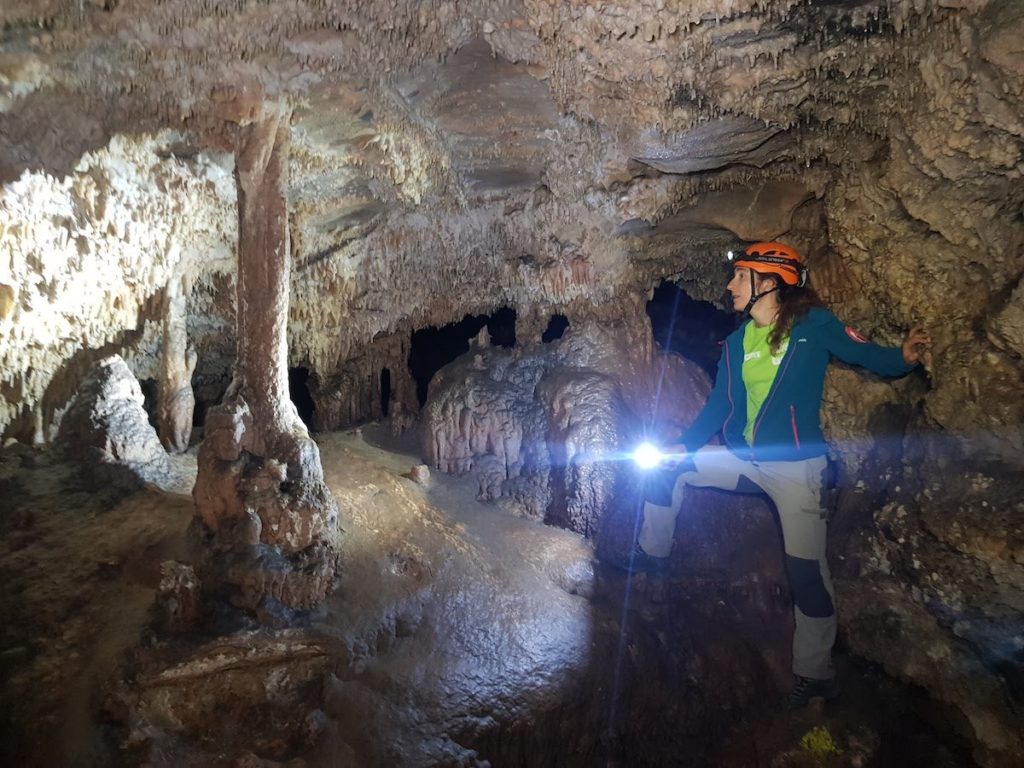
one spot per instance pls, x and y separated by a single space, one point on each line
807 583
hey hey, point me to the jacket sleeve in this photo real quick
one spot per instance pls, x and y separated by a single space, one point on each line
712 415
850 347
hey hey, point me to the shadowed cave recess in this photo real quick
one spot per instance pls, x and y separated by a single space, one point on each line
327 331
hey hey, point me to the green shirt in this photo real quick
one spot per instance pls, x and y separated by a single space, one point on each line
759 369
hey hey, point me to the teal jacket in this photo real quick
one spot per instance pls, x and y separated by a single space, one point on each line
787 427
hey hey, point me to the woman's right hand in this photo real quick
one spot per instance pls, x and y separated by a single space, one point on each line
673 458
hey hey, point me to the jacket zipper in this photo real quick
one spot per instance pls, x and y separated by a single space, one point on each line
792 420
728 390
771 394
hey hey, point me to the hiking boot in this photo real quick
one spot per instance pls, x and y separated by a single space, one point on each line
807 688
636 561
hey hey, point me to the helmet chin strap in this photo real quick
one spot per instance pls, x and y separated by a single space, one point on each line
755 296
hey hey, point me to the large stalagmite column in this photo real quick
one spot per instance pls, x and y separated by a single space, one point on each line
260 489
176 400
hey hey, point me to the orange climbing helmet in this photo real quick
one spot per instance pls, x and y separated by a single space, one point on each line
776 259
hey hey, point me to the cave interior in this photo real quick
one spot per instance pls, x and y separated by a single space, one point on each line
327 329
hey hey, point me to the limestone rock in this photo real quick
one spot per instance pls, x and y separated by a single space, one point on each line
546 427
939 561
1006 328
553 157
107 431
178 601
420 474
270 520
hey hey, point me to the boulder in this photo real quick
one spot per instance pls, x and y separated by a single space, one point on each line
106 430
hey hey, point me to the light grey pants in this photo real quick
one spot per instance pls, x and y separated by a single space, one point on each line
795 487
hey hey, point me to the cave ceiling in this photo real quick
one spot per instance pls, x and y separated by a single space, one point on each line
448 106
453 157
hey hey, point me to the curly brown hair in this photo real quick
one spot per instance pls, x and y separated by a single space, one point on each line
794 303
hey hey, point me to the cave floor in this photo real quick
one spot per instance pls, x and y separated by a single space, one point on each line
459 634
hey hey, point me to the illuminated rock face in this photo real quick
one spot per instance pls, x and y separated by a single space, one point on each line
260 488
178 362
548 428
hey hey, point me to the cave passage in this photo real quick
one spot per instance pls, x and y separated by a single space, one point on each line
150 394
385 390
433 348
298 390
690 327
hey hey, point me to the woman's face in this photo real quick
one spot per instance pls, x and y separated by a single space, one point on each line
739 288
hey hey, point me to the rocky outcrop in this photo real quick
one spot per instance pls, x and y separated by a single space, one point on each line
549 427
930 580
106 430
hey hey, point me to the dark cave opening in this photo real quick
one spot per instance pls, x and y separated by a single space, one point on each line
298 390
557 326
150 394
502 327
692 328
385 390
432 348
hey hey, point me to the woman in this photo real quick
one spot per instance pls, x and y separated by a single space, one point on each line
766 402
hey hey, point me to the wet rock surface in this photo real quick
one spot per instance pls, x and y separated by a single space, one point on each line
555 158
458 635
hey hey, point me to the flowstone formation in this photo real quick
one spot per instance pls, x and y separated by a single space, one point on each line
106 431
548 429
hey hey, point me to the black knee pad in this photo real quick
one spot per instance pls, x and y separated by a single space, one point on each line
809 593
658 486
745 485
659 483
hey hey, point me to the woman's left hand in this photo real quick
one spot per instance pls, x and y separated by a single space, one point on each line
915 345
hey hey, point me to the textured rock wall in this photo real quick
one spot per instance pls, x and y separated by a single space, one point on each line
355 393
84 261
548 428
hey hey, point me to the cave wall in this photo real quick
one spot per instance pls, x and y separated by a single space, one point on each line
86 259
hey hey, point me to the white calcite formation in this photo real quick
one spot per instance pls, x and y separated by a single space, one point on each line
86 258
549 428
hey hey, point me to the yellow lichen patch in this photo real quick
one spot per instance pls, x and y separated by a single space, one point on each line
818 741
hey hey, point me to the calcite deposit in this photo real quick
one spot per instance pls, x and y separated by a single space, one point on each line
260 492
440 159
549 428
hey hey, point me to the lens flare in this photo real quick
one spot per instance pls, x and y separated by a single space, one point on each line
647 456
